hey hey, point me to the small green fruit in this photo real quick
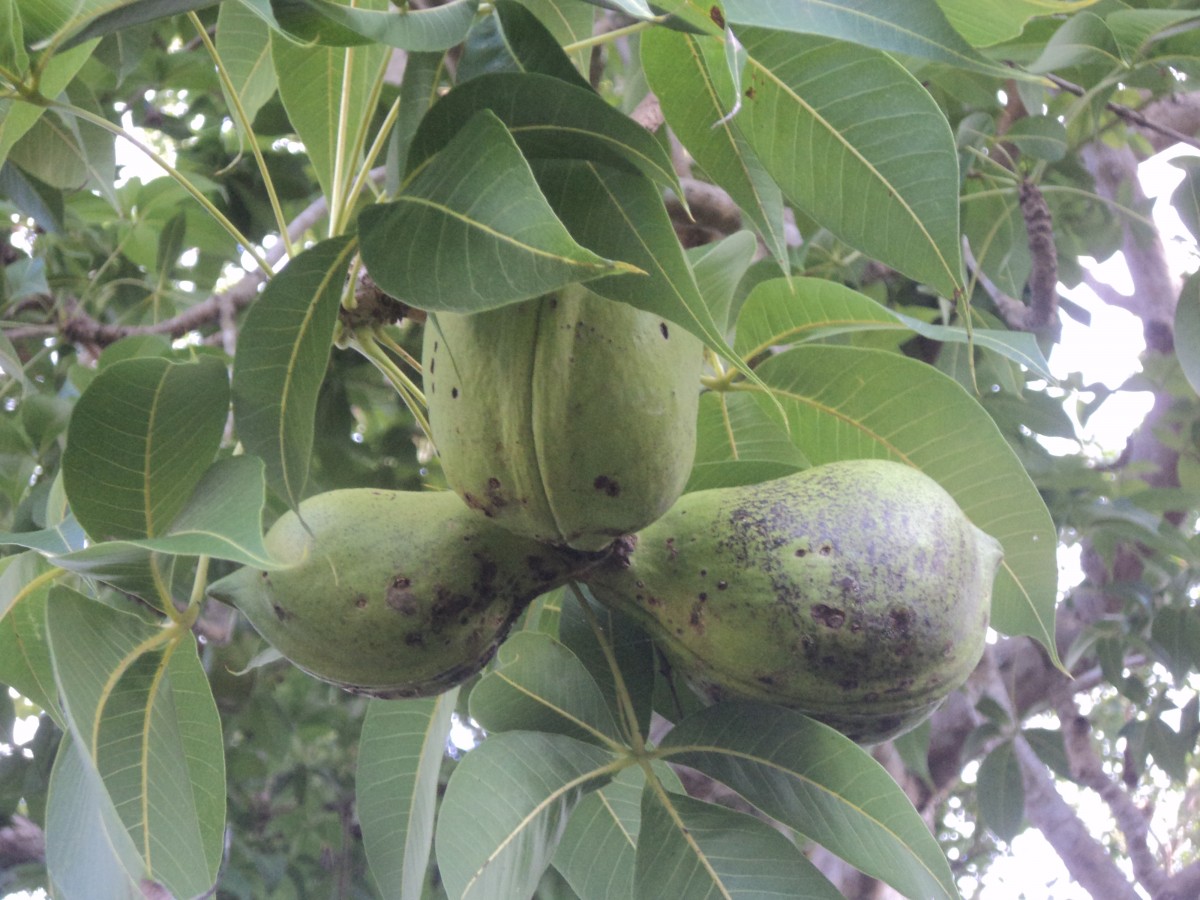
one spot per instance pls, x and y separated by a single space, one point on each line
390 593
570 418
857 592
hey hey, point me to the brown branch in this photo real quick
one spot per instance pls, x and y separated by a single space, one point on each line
1040 313
21 841
1131 115
1133 822
78 327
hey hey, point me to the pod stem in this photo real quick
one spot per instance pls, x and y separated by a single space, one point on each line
366 341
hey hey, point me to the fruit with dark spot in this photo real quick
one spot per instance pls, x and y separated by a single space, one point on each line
391 593
569 418
857 592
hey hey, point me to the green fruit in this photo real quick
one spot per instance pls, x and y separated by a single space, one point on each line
857 592
570 418
390 593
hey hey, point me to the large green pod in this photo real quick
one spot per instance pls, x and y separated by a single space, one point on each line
857 592
392 593
570 419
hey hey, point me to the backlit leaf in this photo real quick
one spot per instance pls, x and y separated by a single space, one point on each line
283 350
140 438
396 784
472 230
497 843
818 782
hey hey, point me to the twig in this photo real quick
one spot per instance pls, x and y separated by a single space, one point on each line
1129 114
80 328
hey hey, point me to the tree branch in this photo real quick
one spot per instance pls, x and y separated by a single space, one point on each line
1131 115
78 327
1090 866
1133 822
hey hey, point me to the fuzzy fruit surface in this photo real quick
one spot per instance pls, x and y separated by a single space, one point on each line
392 593
857 592
570 418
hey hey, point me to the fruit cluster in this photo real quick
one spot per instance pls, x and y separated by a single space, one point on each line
857 592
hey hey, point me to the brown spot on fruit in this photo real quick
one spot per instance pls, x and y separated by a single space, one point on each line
717 16
399 596
662 327
607 486
828 616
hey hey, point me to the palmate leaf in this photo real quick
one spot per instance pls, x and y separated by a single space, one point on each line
497 842
856 143
165 774
472 230
243 43
818 782
1001 792
396 786
513 39
283 350
694 850
851 403
140 438
597 851
25 663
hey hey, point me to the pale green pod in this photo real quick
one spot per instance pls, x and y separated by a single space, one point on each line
570 419
857 592
392 593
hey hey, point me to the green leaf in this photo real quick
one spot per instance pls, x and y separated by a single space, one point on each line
244 45
139 706
32 197
13 56
719 268
340 25
783 311
1039 137
140 438
24 652
328 94
548 118
540 685
1136 29
597 851
88 851
818 782
690 93
855 141
514 39
396 785
847 403
622 216
283 351
911 27
1083 39
568 22
128 15
1176 632
739 441
1186 197
17 117
1001 792
498 843
1187 331
472 231
51 152
620 640
691 849
987 22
